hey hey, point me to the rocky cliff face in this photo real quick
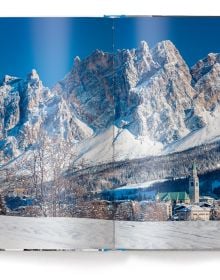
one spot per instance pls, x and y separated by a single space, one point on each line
28 111
206 81
88 89
147 91
159 96
147 99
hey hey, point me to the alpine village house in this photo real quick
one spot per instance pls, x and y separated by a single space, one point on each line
189 206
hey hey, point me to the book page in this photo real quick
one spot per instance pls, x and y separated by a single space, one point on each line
166 144
56 116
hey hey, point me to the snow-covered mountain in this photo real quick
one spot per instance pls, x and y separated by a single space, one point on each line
129 104
30 111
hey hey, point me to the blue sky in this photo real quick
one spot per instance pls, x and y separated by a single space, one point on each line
50 44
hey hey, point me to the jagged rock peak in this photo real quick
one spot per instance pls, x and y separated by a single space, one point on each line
33 75
76 61
98 52
166 52
206 81
7 79
166 43
144 47
203 66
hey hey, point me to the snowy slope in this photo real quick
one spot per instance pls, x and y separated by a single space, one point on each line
125 145
116 143
142 185
97 149
128 146
208 134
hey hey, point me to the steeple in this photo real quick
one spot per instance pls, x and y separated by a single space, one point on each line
194 185
194 169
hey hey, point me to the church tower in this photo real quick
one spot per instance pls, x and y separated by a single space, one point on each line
194 185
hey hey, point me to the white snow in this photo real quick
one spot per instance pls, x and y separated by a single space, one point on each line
17 233
118 144
97 149
102 148
142 185
196 235
55 233
208 134
127 146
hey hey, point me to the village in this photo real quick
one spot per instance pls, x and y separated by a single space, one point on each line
164 206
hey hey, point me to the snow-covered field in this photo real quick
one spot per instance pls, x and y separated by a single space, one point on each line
55 233
74 233
198 235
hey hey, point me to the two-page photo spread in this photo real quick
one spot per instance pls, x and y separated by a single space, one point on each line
110 133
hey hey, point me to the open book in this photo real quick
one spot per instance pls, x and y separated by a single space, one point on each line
112 141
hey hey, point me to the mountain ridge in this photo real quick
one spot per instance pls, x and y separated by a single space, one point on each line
148 98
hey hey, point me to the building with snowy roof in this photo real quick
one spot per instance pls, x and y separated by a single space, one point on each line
206 199
192 213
